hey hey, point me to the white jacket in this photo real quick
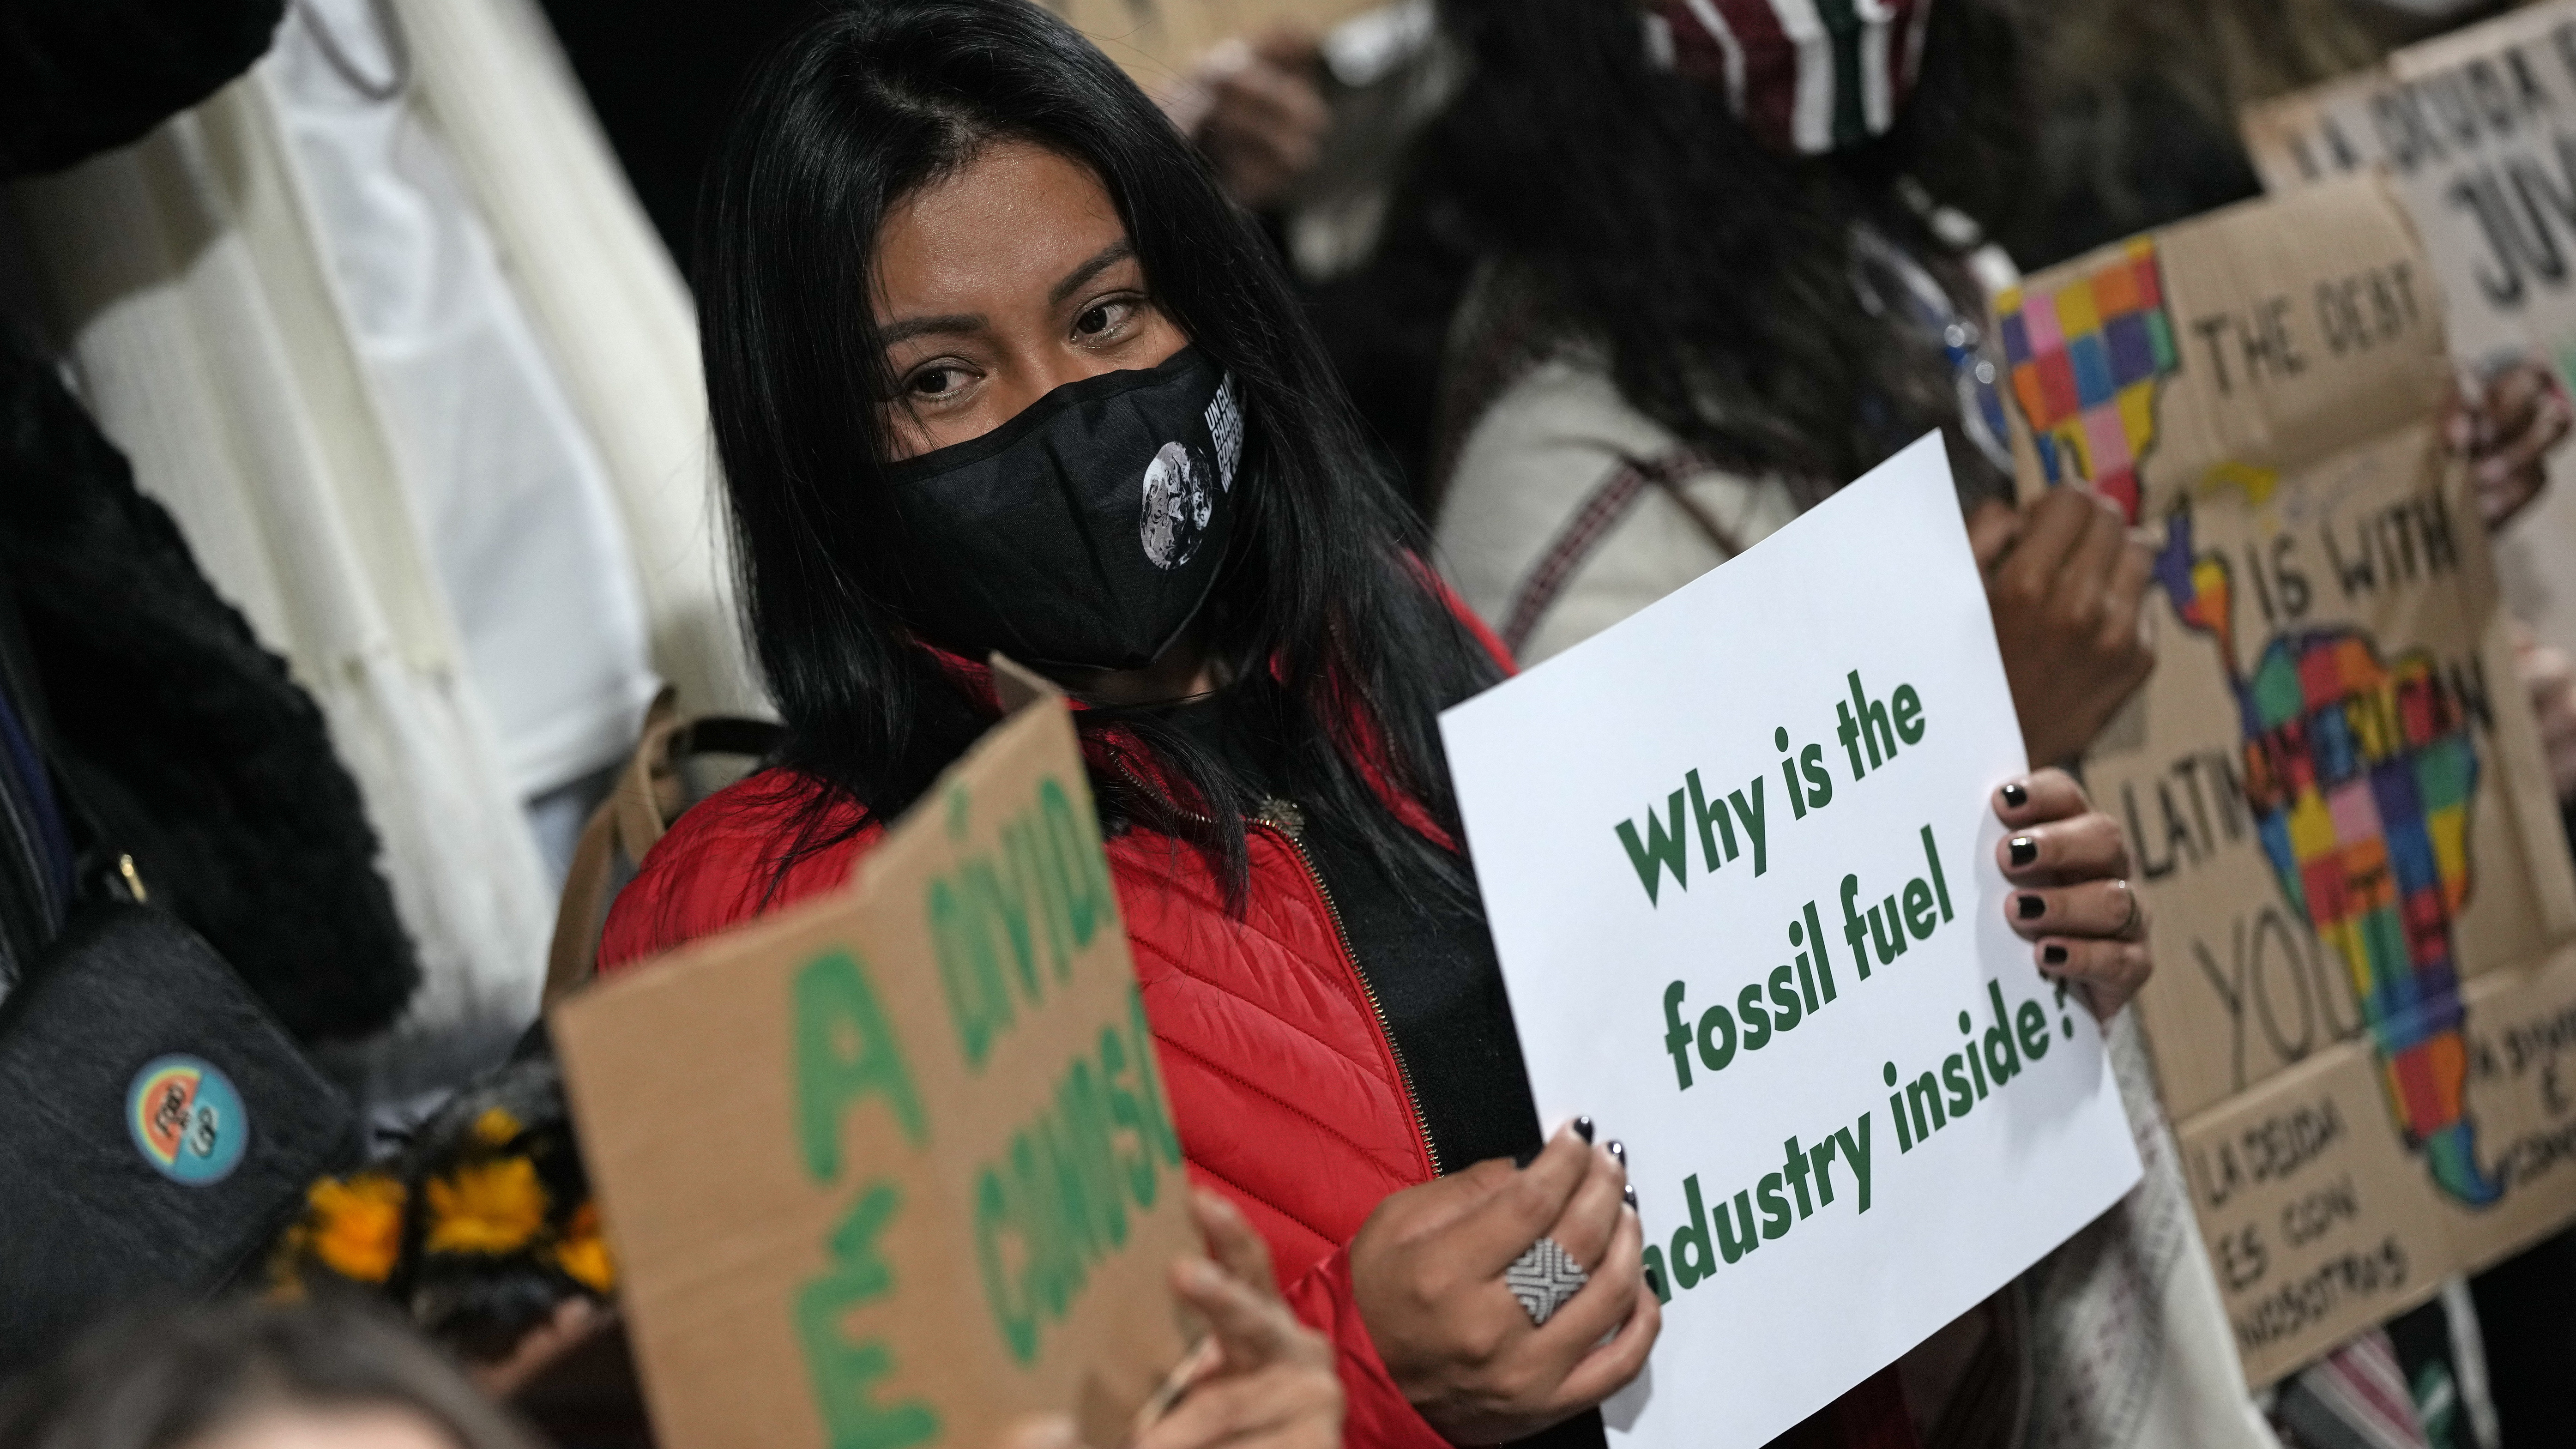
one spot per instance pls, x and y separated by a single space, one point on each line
1567 510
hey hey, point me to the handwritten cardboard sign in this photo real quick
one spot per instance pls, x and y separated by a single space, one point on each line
2339 816
2476 129
895 1167
1755 928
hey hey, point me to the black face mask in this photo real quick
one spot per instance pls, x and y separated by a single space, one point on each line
1084 533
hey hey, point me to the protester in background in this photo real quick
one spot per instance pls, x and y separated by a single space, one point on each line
247 1375
1310 131
1753 283
1254 106
1008 248
1750 279
1633 394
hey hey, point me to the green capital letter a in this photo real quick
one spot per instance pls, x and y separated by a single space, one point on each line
845 1050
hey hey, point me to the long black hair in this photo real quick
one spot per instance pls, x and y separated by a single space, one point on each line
1715 273
1335 640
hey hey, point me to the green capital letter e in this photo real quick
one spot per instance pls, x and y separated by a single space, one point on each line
845 1049
843 1370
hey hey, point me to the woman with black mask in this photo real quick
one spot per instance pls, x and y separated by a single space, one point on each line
994 366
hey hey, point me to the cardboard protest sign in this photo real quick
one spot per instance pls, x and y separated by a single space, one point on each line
1157 41
2338 813
895 1167
2477 130
1756 929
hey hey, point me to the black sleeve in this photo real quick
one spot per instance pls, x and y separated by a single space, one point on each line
80 76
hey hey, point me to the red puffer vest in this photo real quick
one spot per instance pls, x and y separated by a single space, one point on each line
1288 1094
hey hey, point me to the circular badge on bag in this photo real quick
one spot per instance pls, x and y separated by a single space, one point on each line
187 1120
1178 505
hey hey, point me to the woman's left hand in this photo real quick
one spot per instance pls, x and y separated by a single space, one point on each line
2069 865
2506 432
1273 1385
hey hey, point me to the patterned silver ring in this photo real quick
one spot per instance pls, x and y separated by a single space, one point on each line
1543 1278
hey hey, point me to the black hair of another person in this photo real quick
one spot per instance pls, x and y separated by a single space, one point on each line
166 1378
1715 272
1323 611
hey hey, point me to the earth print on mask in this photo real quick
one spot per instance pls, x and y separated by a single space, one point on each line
1178 505
1178 501
1084 533
2359 772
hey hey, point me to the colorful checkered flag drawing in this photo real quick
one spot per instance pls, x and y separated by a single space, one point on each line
2360 772
2086 361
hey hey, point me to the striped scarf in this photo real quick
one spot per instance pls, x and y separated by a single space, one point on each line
1808 76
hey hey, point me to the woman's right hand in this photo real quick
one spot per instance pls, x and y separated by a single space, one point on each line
1427 1271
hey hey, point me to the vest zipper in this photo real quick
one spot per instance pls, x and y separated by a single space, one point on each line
1283 819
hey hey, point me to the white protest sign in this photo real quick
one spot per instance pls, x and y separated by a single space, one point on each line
1752 923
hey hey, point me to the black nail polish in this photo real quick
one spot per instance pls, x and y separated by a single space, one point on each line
1618 1152
1583 1128
2052 955
1629 1193
2024 850
2029 908
1525 1157
2016 795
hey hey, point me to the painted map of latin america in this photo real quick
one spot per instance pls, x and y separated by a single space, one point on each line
2360 774
2339 814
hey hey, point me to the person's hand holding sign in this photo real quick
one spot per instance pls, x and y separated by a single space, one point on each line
1272 1385
2506 430
1260 1380
2069 865
2065 581
1427 1269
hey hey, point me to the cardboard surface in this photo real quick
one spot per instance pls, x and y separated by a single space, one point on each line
2340 820
1158 40
894 1167
2477 130
1756 930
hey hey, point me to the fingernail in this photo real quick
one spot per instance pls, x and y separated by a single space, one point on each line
1629 1195
2016 795
2029 908
2024 850
2459 431
1525 1157
2052 955
1583 1128
2494 471
1618 1152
